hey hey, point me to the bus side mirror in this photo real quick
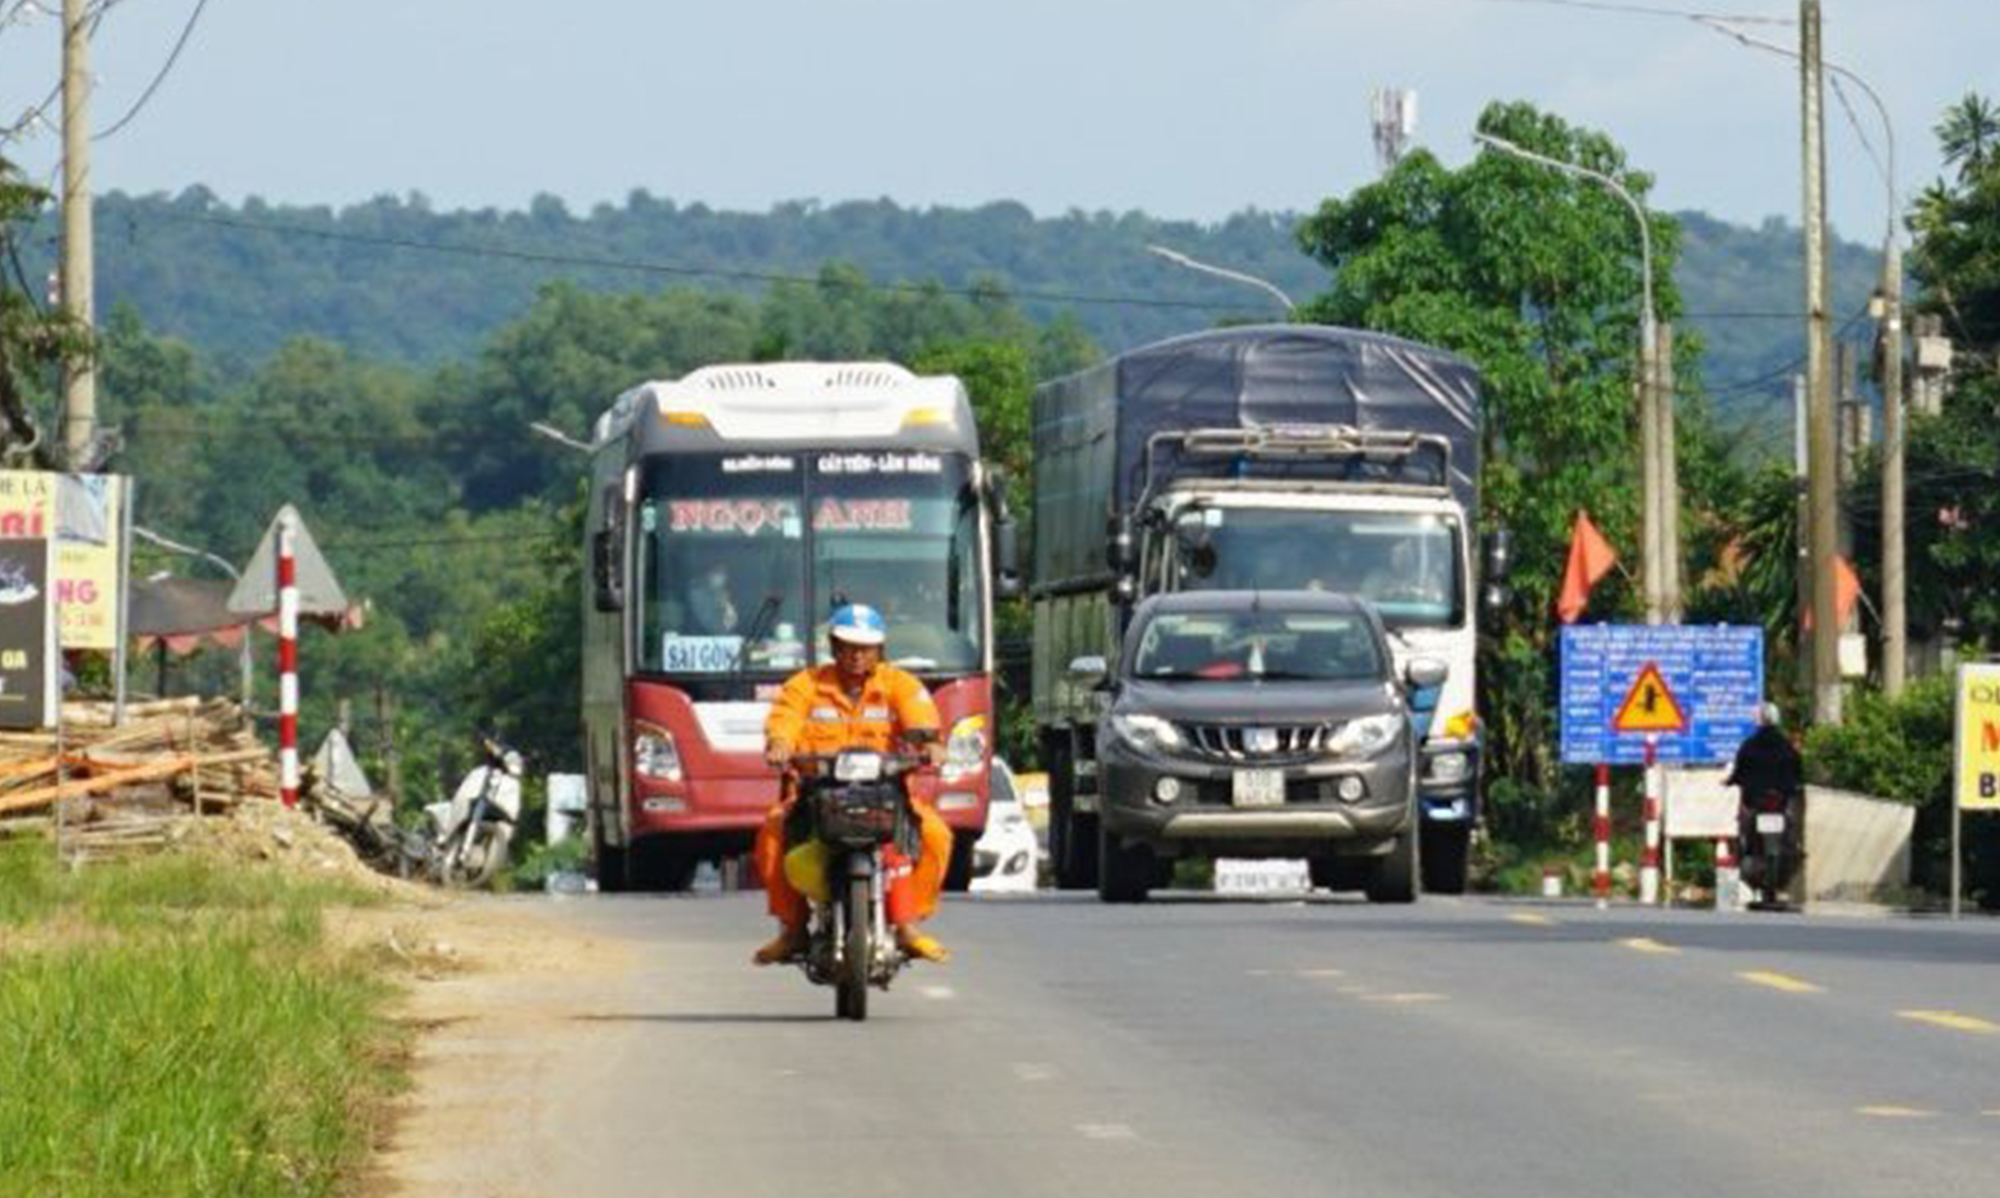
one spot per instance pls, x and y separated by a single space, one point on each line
1006 561
1499 555
1121 552
607 554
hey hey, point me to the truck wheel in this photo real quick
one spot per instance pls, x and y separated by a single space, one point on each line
608 862
1124 872
1395 879
958 871
1072 836
1446 850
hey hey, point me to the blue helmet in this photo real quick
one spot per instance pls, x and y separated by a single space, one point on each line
858 624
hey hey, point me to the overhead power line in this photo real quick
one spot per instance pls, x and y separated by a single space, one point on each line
166 69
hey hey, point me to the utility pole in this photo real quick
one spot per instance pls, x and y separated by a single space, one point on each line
1669 473
79 375
1821 464
1895 620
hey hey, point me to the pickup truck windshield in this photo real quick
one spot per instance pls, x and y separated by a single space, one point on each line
1272 645
1408 564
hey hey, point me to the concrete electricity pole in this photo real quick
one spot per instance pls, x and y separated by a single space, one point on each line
79 375
1895 619
1821 464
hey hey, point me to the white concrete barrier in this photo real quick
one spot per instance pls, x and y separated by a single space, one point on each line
1857 846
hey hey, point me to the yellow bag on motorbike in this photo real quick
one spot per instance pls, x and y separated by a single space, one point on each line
805 869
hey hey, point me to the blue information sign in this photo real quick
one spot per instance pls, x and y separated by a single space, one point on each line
1714 673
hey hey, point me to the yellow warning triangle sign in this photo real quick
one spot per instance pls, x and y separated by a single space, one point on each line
1650 705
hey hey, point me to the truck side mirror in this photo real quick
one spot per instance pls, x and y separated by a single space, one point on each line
1499 555
607 554
1425 672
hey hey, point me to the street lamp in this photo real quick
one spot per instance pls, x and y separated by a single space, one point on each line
1895 620
148 534
558 436
1237 276
1661 557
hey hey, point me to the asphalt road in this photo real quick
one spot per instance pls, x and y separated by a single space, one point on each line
1199 1047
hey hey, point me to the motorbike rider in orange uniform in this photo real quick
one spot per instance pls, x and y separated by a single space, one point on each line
856 702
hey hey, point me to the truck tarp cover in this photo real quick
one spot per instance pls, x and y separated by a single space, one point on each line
1093 427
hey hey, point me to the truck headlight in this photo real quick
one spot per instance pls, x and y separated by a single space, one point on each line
654 754
1366 736
1146 731
965 749
1450 768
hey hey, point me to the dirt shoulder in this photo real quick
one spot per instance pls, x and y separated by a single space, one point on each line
493 1002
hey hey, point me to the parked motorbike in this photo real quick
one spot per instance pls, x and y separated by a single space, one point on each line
473 831
851 807
1771 850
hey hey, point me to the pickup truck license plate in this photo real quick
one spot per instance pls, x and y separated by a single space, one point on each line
1770 821
1258 788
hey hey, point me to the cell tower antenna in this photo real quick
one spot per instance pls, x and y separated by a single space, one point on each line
1394 110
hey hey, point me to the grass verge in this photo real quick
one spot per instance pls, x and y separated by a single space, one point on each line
179 1026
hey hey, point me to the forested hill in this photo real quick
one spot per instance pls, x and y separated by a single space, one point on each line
395 279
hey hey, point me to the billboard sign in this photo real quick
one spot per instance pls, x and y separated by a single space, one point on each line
1694 689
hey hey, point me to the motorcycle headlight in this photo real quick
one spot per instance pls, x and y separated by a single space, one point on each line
654 754
965 749
1366 736
1146 731
1450 768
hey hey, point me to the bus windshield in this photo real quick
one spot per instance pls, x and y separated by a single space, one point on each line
725 542
1407 563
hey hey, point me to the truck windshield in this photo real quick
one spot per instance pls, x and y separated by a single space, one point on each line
1274 645
726 540
1407 563
900 532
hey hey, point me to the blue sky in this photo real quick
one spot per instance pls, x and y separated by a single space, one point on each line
1180 108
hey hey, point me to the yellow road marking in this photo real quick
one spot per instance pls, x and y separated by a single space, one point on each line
1779 981
1406 997
1644 944
1952 1020
1894 1112
1533 920
1322 973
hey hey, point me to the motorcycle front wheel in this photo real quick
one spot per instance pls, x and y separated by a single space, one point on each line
858 952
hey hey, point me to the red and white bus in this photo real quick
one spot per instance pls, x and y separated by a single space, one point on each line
730 512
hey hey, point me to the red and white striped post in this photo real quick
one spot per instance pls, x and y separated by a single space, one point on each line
1600 826
288 662
1649 861
1726 876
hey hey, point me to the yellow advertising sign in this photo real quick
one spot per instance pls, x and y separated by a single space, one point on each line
1978 737
85 515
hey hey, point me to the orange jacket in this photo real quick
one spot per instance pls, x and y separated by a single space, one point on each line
814 715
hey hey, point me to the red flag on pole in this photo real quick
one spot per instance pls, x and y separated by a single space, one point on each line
1846 592
1590 558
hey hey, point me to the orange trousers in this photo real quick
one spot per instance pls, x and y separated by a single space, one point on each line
913 892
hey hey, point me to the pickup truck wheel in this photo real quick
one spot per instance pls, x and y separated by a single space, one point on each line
1446 849
1124 872
1395 879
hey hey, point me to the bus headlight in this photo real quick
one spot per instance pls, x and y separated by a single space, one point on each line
654 754
965 749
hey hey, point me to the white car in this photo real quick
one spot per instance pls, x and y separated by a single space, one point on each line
1006 858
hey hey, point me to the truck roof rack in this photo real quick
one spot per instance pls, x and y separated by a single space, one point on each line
1388 458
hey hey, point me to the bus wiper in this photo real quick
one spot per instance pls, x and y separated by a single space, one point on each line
759 627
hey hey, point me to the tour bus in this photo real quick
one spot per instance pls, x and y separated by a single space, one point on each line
731 511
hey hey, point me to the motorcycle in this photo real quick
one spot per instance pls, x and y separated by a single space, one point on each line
851 807
1771 850
473 831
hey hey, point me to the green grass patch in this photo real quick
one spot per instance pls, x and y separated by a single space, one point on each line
178 1026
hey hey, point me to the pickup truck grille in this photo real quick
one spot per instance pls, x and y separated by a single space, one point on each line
1258 742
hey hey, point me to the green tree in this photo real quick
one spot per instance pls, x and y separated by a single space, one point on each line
33 342
1969 135
1535 277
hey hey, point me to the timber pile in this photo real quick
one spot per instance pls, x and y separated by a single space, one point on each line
118 788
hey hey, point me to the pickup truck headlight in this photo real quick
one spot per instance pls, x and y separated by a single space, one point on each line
1146 731
654 754
965 749
1366 736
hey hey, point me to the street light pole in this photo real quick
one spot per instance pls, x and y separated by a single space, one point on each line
175 546
1895 620
1660 546
1237 276
557 435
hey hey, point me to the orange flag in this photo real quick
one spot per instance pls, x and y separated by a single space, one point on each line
1590 558
1846 591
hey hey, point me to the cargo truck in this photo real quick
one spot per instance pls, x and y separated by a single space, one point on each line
1280 458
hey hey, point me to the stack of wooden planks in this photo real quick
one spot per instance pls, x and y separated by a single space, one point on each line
128 782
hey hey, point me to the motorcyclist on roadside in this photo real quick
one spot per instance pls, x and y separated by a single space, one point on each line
856 702
1766 762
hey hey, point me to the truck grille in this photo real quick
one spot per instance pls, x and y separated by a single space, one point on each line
1258 742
